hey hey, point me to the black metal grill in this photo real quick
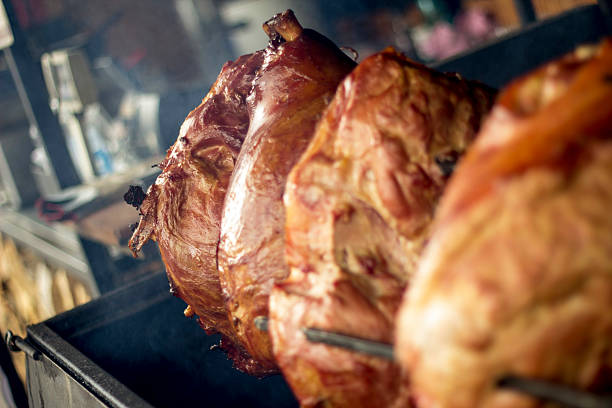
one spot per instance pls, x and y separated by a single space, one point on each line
133 348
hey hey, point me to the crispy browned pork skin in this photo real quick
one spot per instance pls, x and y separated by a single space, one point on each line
358 208
517 277
182 210
289 83
297 81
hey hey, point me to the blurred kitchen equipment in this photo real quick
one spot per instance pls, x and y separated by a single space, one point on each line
98 144
17 185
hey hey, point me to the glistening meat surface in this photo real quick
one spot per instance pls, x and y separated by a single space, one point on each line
297 81
182 210
517 277
358 208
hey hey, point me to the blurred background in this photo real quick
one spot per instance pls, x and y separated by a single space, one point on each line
92 94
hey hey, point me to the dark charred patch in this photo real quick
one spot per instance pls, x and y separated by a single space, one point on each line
275 40
447 163
184 140
134 196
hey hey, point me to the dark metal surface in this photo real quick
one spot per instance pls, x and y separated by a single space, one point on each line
49 386
606 7
104 271
15 384
16 343
514 54
606 10
359 345
133 347
372 348
525 11
64 377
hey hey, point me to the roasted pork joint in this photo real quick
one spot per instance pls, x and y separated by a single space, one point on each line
300 73
358 207
517 278
276 96
182 210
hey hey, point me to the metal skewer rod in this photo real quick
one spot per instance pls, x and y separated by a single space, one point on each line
536 388
561 394
15 343
373 348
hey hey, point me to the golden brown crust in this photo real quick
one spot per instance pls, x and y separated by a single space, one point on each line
296 82
358 207
518 275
